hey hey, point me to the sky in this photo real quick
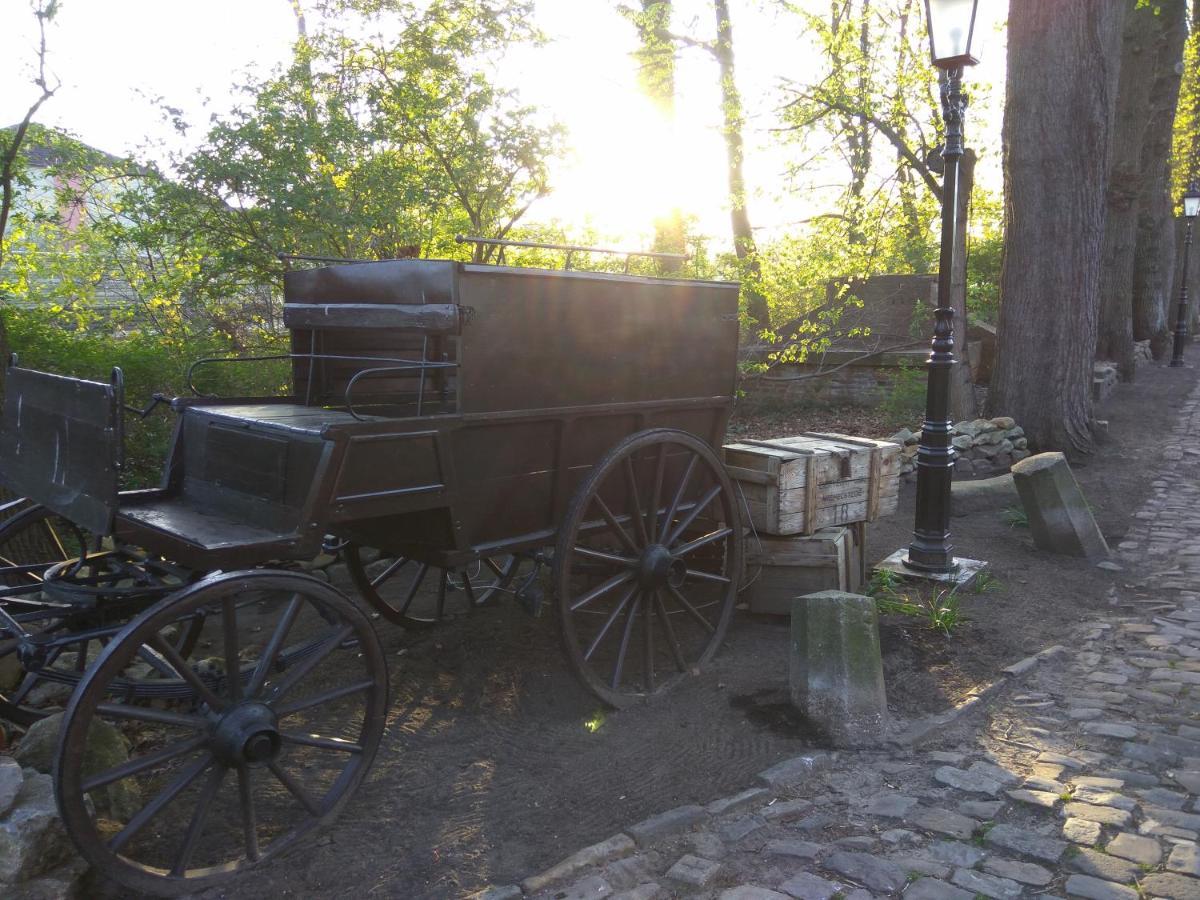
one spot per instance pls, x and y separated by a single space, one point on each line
113 57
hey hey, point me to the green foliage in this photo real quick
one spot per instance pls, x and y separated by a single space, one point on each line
1184 159
905 399
1015 517
939 609
985 581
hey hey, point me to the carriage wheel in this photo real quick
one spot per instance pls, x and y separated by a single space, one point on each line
274 733
646 565
49 635
419 595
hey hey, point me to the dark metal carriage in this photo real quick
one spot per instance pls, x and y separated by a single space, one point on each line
443 413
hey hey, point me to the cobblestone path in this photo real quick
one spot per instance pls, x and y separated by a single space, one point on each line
1082 780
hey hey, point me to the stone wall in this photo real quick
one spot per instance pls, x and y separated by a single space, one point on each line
984 446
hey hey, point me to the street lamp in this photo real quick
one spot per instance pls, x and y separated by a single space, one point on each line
951 26
1191 206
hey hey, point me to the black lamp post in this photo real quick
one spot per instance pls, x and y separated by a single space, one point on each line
1191 206
951 26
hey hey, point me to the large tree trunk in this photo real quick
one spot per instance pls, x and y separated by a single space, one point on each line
1063 62
656 75
1154 255
1133 112
739 213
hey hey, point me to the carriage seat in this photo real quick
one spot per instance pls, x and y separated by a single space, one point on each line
240 488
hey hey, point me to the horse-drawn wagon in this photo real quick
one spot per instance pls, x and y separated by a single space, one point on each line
468 423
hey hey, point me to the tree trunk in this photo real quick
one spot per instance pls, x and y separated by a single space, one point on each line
739 215
1116 335
1154 253
656 76
962 392
1063 63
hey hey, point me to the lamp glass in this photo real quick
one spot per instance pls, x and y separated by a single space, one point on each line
951 29
1191 203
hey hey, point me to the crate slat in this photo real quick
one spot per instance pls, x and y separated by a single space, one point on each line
799 484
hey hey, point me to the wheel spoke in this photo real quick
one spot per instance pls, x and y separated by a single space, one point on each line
142 763
635 502
294 788
249 818
155 806
612 617
660 467
147 714
271 650
233 665
710 538
708 576
309 663
179 664
679 494
680 663
611 558
601 589
617 527
199 817
630 616
156 661
62 550
691 610
687 520
326 697
422 569
398 563
323 743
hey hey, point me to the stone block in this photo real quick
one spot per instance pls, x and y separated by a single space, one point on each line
836 667
1059 518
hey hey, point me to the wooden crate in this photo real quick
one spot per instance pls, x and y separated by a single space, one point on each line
796 485
779 569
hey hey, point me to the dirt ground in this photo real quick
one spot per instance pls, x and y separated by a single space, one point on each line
495 764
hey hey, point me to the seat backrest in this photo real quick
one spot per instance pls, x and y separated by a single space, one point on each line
61 443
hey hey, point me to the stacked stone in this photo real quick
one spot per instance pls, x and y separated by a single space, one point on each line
984 446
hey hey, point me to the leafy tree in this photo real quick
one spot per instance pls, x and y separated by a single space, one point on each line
385 136
12 140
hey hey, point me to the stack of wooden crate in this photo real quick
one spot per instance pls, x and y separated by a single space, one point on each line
808 498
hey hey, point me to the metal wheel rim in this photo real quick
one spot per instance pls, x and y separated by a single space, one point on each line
58 614
79 822
566 560
498 573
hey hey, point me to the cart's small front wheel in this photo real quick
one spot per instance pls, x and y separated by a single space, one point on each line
419 595
274 726
646 565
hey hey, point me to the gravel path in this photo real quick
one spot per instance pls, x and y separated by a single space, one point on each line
1081 781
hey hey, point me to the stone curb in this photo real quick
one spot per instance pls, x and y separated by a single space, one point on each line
789 772
930 727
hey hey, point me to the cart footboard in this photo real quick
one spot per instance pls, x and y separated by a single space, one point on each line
60 444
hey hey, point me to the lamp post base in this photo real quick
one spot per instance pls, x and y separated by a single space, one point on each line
962 575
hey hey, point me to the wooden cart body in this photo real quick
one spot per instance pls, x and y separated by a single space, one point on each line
441 410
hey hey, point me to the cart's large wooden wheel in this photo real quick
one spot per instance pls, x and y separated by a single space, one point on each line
61 601
646 565
272 735
418 595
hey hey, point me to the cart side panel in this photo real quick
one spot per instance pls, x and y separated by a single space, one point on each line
537 339
61 444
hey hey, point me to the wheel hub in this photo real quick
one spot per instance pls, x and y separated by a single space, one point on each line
246 734
657 567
